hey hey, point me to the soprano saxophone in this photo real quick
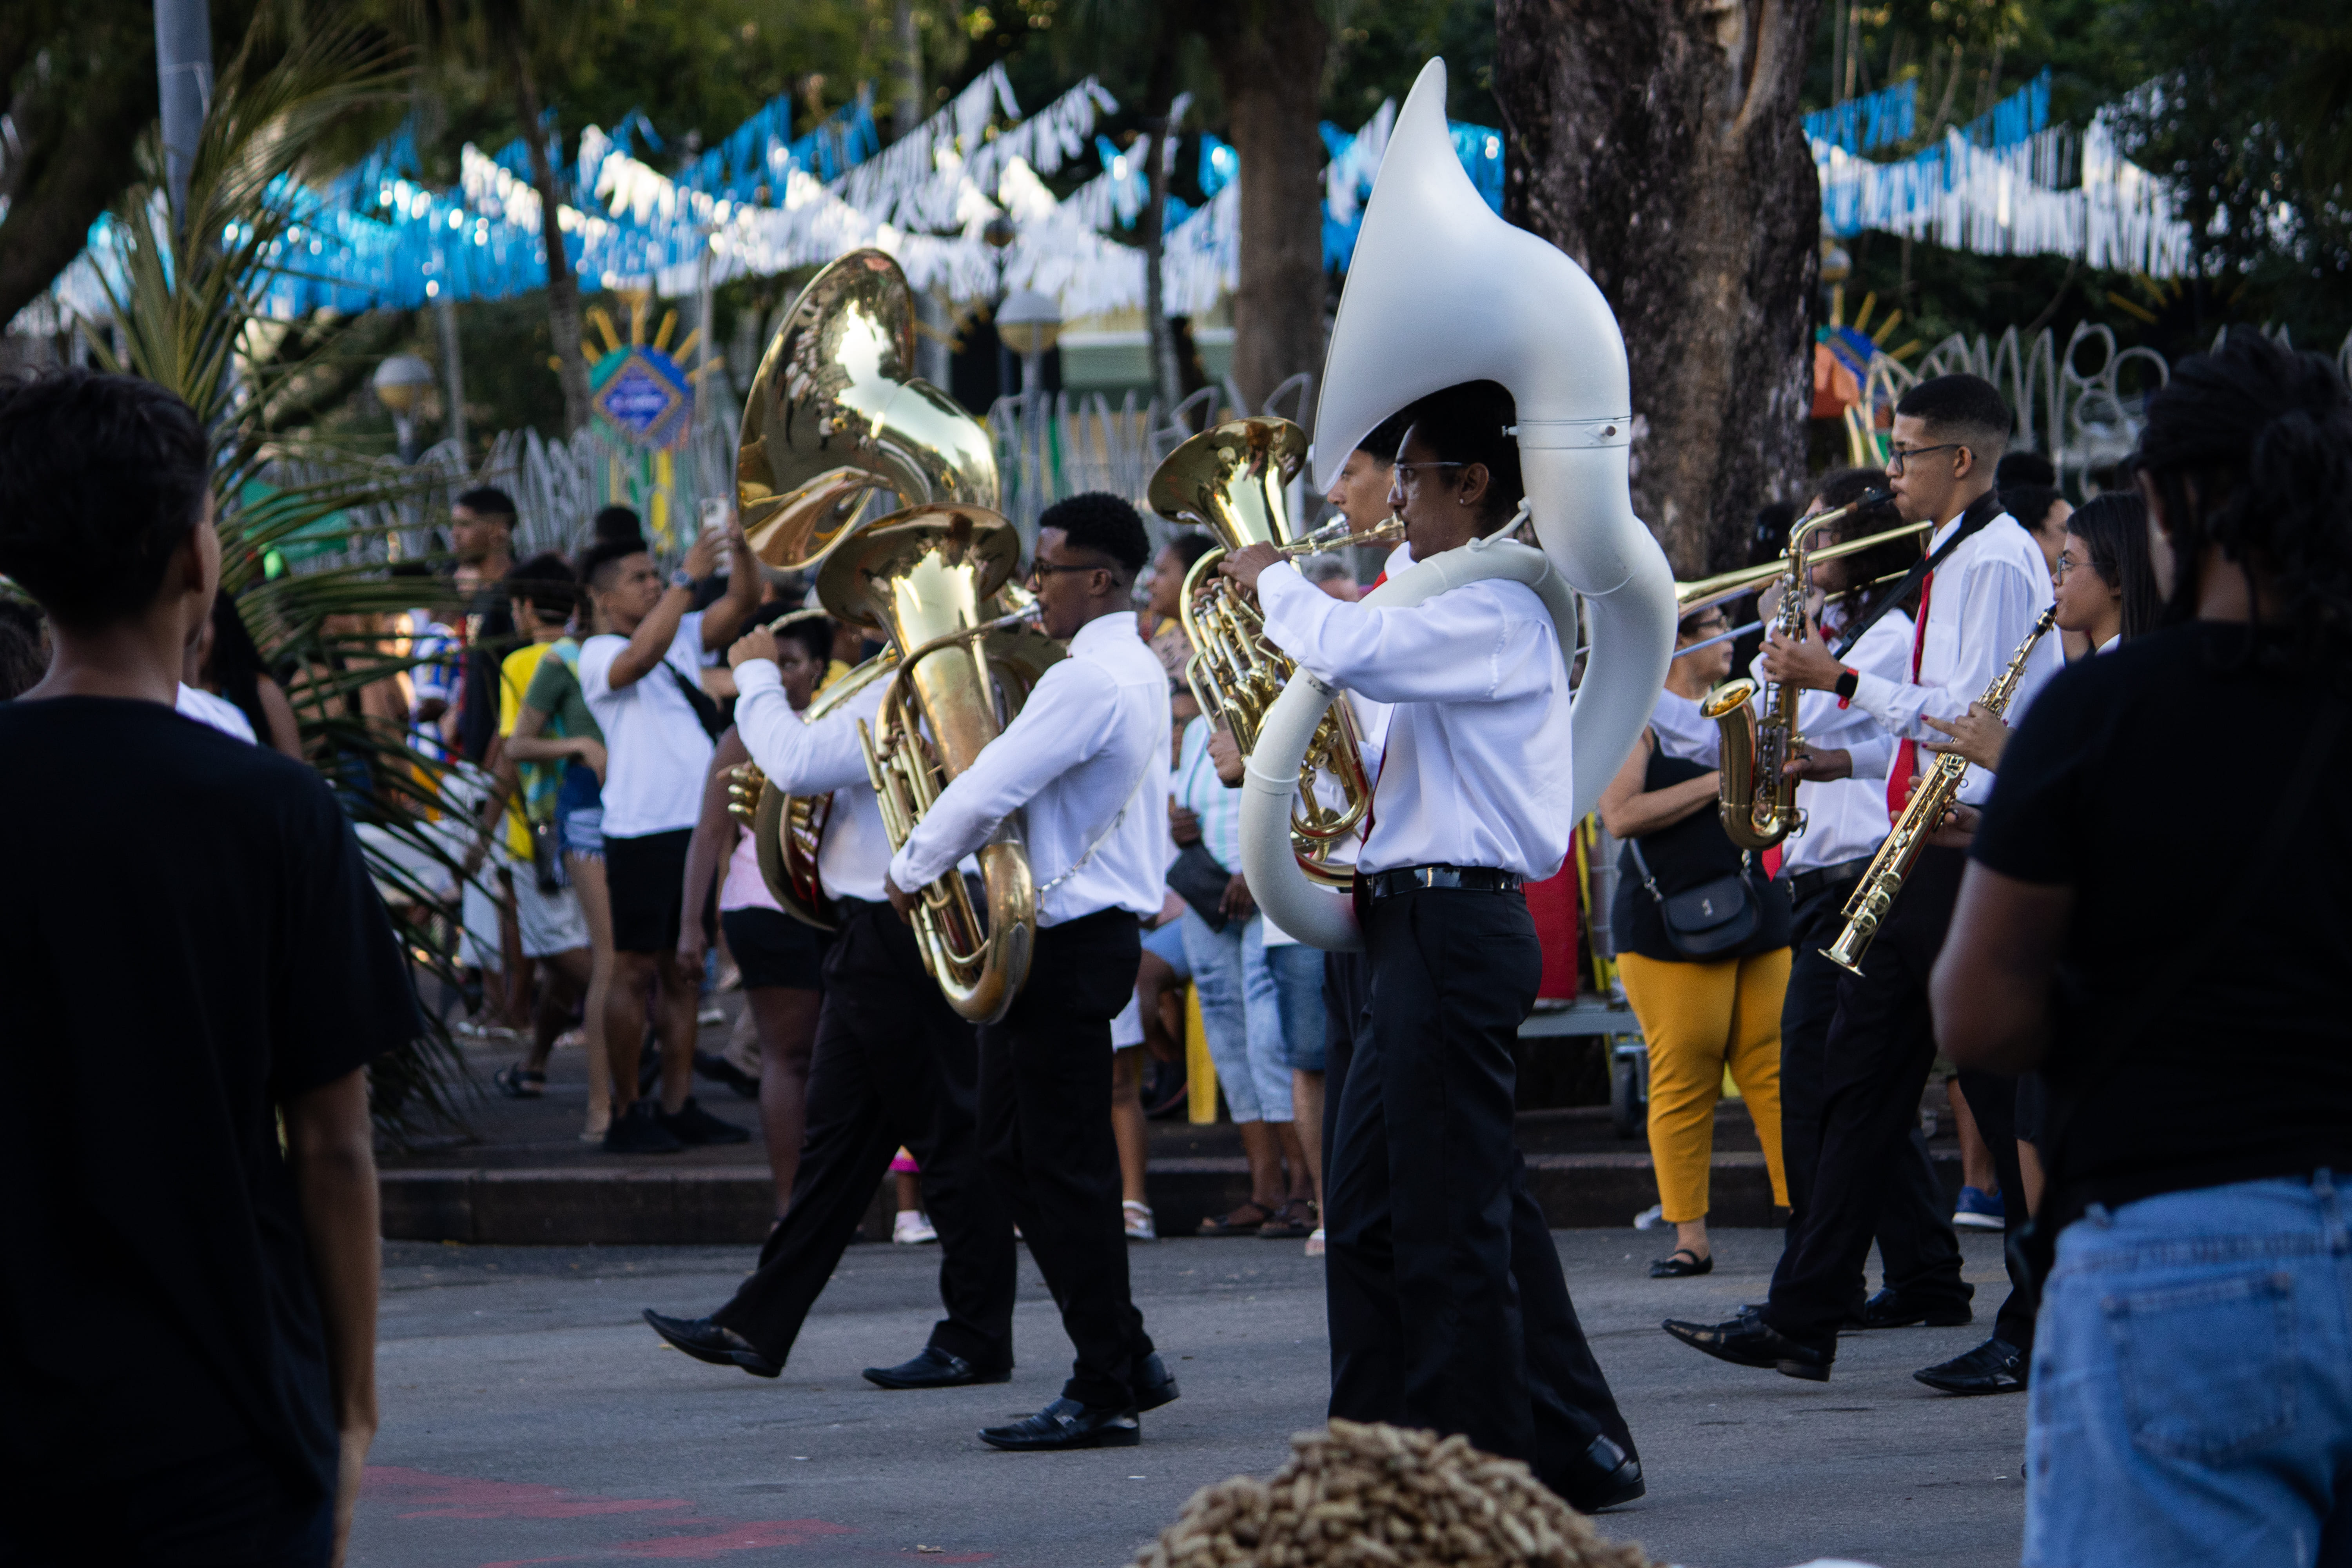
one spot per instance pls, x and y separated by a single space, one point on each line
1891 867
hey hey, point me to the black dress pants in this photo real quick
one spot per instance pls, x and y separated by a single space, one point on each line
1448 1308
1045 1137
893 1064
1920 1256
1881 1045
1992 1100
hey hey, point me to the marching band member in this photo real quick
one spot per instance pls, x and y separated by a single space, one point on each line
1086 763
1425 1185
893 1064
1985 584
1844 798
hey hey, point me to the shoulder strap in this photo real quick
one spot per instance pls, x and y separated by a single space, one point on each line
2253 873
1980 512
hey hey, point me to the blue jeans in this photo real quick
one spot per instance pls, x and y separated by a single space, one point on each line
1285 1002
2192 1383
1249 1064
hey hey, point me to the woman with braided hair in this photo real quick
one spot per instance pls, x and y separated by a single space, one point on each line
2192 1370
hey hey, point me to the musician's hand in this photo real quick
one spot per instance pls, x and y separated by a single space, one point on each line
1976 735
900 900
1806 660
1959 828
1237 904
1820 765
1225 756
757 643
1244 565
1184 826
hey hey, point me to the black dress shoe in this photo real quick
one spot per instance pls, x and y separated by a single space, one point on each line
706 1341
1066 1424
1154 1385
1603 1476
1890 1309
692 1125
1995 1366
1683 1264
934 1368
1748 1341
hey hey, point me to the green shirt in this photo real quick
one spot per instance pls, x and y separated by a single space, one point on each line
555 692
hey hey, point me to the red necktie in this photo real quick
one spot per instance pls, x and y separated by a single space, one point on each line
1906 755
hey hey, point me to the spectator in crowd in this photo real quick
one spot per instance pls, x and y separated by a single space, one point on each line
192 1267
2191 1370
24 646
1708 999
617 525
1159 620
780 956
1224 940
425 646
1330 573
553 727
229 665
640 675
481 535
541 595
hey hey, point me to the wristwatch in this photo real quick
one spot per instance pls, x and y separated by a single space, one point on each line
1846 681
682 578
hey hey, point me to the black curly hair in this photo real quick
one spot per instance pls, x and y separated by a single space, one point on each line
2249 448
1104 523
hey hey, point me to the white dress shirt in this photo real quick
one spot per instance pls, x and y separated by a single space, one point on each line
1686 732
823 758
1846 818
1981 603
1085 762
1474 766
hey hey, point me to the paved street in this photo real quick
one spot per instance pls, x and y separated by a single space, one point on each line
529 1416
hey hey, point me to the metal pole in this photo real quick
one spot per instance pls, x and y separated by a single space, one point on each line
183 81
453 372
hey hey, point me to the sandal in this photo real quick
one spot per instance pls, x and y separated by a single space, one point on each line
520 1082
1233 1224
1293 1220
1673 1267
1139 1222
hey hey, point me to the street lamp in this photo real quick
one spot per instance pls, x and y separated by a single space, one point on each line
400 384
1028 323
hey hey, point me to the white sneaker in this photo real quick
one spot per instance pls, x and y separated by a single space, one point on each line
1315 1243
912 1228
1651 1217
1139 1226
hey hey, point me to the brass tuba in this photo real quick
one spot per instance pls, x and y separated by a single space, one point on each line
1231 479
1758 800
937 578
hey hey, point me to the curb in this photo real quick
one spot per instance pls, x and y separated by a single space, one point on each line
639 1205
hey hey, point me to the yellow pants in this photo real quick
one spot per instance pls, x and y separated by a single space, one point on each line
1699 1019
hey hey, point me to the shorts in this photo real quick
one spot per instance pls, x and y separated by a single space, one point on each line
1168 943
1289 1000
645 879
552 922
1127 1029
772 948
477 919
580 812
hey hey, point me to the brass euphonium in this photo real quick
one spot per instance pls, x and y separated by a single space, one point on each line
1231 480
1758 799
937 578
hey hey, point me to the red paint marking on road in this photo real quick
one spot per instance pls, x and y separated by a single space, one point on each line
461 1497
755 1535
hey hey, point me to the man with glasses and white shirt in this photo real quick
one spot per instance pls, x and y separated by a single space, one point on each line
1086 764
1986 583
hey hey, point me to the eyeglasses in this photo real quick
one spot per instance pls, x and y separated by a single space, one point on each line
1040 570
1901 455
2065 563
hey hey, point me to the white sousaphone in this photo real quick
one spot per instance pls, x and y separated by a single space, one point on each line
1444 291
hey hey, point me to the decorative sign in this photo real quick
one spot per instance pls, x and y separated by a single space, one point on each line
643 393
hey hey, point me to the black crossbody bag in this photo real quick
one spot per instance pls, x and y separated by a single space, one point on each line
1710 918
2034 1248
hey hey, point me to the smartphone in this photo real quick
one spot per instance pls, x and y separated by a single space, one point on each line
715 512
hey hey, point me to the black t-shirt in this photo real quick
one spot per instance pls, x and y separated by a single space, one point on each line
490 636
1682 856
2143 779
188 938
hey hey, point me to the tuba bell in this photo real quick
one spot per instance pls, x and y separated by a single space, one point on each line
937 578
1444 291
1231 479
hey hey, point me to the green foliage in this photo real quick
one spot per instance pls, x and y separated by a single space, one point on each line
1378 47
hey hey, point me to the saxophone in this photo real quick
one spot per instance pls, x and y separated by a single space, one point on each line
1867 909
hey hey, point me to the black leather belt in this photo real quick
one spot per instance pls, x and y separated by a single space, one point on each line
1804 885
1466 878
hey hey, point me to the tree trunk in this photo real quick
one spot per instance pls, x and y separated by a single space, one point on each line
1152 147
562 284
78 131
1269 57
1660 143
